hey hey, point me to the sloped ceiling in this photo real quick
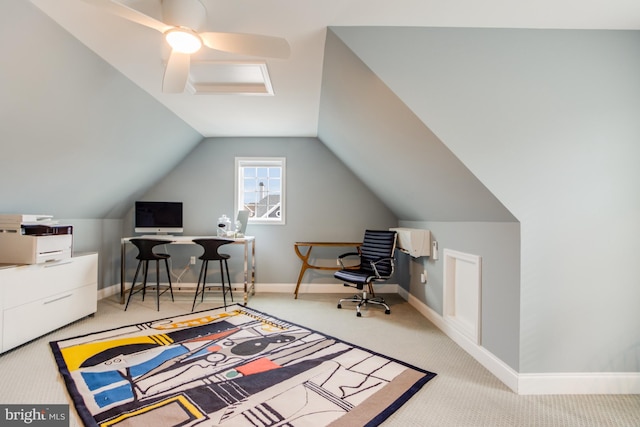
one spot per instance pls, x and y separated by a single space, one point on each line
83 141
367 126
79 140
79 136
138 52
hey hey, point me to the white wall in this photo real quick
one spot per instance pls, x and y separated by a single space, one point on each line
548 121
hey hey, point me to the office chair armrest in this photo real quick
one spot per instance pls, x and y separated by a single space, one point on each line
375 268
346 255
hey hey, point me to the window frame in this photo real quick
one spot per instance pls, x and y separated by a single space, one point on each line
241 162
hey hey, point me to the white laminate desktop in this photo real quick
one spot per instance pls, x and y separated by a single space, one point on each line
249 282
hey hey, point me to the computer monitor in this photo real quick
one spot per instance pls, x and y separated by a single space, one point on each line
158 217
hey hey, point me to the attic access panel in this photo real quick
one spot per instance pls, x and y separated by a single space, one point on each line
229 78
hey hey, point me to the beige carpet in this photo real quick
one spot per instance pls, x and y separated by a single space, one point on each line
463 393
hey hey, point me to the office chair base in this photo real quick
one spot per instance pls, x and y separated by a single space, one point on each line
363 300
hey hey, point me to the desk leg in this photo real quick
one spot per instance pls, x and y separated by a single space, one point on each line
122 270
253 267
302 270
305 266
246 273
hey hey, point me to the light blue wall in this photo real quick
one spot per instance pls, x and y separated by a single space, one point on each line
535 125
392 150
548 121
325 201
420 178
76 135
497 243
102 236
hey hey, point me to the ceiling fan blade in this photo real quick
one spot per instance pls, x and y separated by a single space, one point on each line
119 9
177 72
247 44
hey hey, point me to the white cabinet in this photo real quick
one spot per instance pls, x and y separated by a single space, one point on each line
38 298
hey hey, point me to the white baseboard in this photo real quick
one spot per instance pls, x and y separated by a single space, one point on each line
322 288
284 288
580 383
497 367
108 291
524 384
530 384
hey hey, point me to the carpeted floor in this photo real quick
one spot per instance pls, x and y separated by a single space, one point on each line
463 393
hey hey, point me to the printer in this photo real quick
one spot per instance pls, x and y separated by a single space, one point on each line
32 239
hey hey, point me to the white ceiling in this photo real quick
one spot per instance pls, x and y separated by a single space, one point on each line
138 52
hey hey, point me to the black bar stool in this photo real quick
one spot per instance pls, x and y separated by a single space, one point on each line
146 254
211 253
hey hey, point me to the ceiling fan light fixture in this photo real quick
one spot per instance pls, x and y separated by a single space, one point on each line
183 40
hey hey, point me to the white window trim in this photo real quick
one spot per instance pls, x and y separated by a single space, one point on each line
262 161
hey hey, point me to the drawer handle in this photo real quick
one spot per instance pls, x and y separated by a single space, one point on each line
57 264
59 251
58 299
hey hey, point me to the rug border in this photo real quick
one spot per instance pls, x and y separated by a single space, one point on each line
87 417
72 389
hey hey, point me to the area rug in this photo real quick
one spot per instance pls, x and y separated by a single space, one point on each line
233 367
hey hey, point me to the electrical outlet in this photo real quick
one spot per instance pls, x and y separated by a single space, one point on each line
193 260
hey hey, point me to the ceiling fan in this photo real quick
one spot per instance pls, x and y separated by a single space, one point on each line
181 33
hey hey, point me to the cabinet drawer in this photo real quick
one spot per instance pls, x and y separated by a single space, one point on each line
28 321
28 282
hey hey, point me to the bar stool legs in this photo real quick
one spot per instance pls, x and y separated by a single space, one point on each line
145 268
224 268
166 263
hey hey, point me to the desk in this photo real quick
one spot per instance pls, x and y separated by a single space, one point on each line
249 284
305 257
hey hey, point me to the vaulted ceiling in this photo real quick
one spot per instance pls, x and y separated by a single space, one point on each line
139 52
107 113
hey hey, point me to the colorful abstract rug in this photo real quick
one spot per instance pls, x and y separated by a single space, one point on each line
238 367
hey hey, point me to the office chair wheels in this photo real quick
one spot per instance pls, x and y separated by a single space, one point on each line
387 312
339 305
359 314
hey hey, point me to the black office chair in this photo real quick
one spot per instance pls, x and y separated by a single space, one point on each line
211 253
375 264
146 254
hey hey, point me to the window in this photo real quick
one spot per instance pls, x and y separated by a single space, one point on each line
260 184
